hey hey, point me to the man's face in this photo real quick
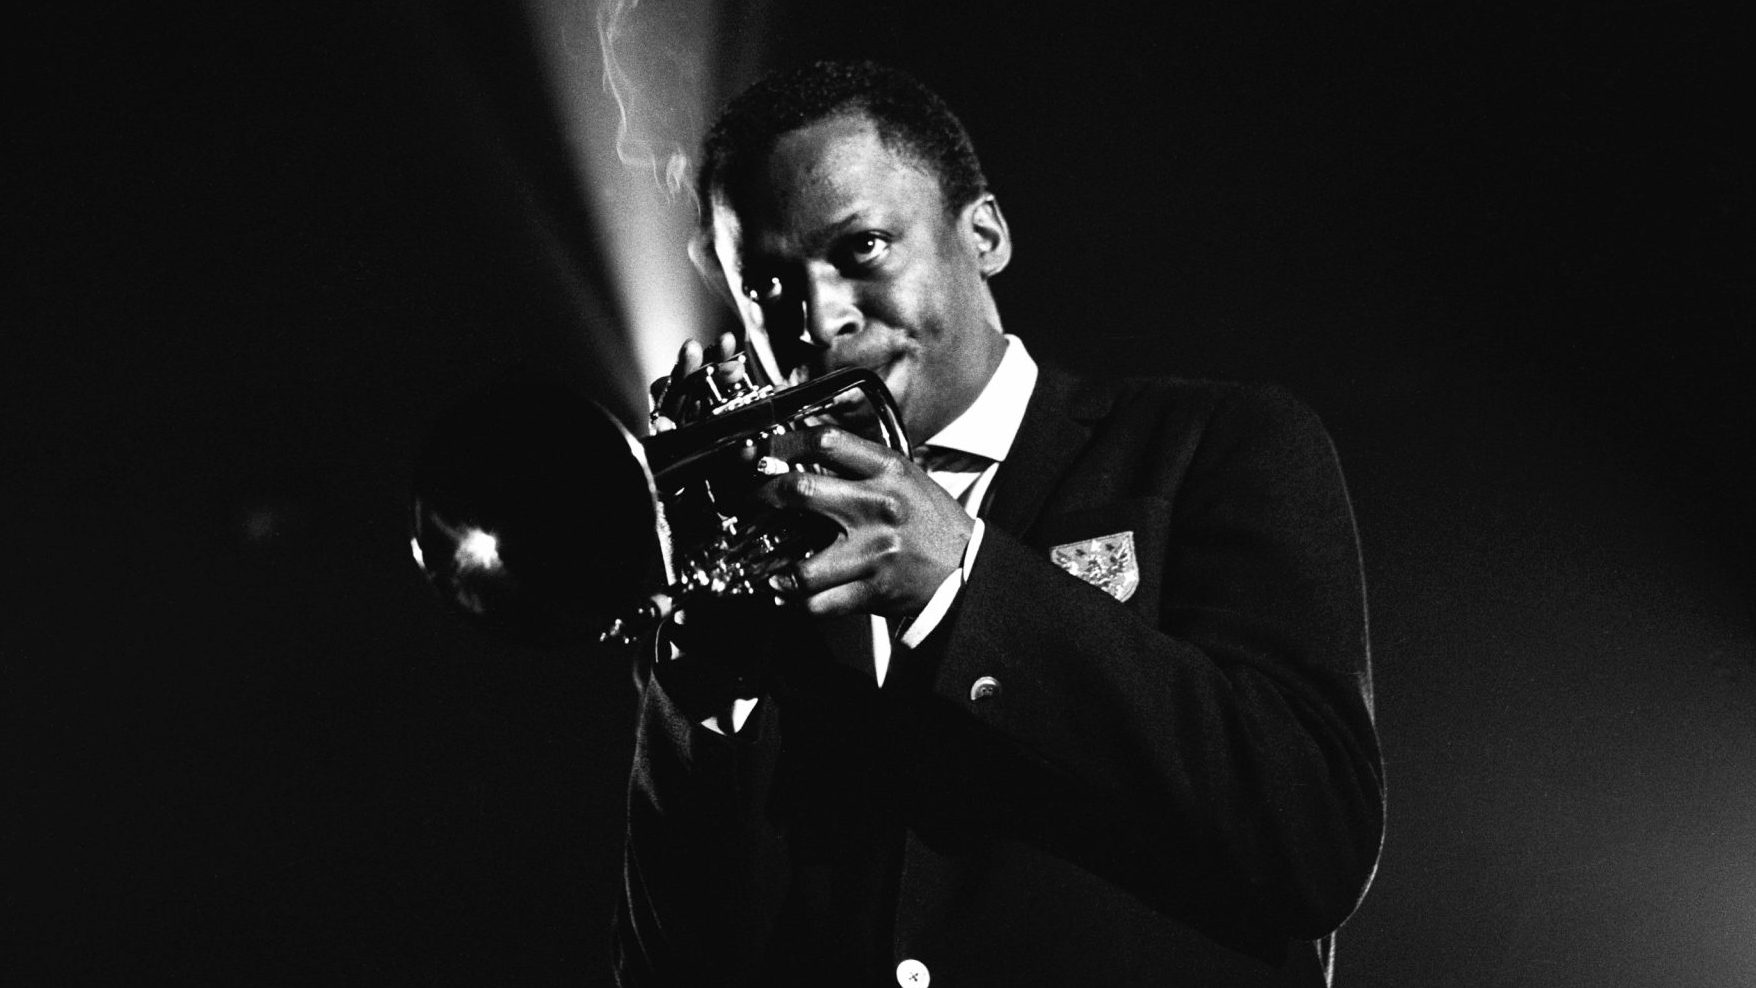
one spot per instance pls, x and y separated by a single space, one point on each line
846 256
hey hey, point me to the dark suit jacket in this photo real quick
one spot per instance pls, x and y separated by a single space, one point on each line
1183 788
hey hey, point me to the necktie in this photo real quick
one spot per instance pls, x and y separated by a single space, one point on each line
953 469
934 458
866 640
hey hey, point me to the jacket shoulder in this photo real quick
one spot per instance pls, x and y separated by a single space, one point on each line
1191 405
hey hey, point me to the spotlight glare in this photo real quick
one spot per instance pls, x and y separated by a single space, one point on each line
478 550
633 93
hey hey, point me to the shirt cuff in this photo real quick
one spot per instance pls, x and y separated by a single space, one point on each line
733 719
916 631
728 721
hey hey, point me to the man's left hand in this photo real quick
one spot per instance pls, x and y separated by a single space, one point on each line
903 533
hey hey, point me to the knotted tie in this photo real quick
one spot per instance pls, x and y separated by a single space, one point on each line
953 469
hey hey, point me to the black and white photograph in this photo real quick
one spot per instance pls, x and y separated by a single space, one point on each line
639 493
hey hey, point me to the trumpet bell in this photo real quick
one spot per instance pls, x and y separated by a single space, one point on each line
535 514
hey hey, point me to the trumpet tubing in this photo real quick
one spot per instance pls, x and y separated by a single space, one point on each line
536 512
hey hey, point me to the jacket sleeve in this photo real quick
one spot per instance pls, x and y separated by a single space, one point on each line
1218 759
703 871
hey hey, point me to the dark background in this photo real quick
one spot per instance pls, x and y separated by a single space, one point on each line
1504 253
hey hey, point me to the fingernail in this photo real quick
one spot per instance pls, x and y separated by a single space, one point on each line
771 466
783 583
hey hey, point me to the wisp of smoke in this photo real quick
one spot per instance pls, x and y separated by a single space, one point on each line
634 100
612 25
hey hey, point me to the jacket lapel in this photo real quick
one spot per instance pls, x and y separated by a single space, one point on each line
1056 427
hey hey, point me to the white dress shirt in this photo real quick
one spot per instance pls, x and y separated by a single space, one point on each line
985 432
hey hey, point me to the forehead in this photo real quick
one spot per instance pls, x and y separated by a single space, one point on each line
824 176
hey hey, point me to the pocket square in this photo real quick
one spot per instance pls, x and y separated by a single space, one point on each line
1106 562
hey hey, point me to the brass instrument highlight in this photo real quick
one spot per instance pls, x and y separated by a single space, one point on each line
537 513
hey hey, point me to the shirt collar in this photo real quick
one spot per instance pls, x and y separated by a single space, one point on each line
990 424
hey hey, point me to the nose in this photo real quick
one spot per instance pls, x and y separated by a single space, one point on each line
830 310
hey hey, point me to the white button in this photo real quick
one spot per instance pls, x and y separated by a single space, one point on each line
983 688
913 974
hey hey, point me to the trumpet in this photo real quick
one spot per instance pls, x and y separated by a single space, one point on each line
538 514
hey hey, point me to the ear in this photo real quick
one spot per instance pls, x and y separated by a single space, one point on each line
986 227
701 254
705 255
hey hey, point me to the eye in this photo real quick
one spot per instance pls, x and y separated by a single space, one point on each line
764 290
866 249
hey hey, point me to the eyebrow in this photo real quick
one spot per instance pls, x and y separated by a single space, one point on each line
832 231
819 239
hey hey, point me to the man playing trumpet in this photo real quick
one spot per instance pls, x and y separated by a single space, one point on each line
1081 697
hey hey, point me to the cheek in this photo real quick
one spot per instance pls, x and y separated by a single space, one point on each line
915 313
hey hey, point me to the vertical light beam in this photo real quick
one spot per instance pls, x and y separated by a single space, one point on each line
634 82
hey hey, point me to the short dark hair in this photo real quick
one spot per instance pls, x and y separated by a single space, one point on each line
911 120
